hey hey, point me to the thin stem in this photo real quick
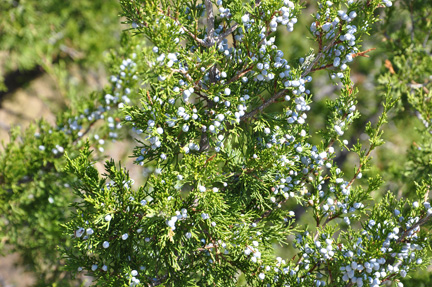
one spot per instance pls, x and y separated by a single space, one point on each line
239 75
359 54
412 21
228 32
417 224
283 92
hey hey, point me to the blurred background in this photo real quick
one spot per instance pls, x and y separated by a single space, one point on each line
54 51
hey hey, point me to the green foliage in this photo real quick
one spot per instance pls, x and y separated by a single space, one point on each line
35 194
53 34
408 74
240 171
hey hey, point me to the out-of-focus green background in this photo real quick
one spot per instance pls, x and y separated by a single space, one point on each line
53 51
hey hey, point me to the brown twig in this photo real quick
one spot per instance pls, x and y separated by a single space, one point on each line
210 22
359 54
417 224
363 54
240 74
283 92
